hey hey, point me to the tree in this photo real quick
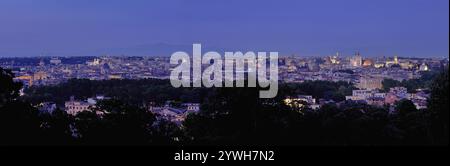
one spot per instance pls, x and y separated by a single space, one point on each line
390 83
439 108
404 107
411 123
112 122
9 90
412 84
19 121
56 127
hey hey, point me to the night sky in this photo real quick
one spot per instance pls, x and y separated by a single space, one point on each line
415 28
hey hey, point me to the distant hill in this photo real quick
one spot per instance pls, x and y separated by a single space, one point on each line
157 49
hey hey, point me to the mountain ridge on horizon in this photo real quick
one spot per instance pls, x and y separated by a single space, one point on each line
162 49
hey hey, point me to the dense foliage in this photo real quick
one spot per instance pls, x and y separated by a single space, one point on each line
140 92
133 92
424 81
229 116
321 89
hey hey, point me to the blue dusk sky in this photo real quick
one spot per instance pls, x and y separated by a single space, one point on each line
415 28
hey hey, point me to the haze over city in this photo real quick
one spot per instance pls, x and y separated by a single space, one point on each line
409 28
223 81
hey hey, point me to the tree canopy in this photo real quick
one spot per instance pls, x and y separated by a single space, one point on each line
228 116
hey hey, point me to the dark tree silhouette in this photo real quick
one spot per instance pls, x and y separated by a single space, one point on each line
19 124
404 107
439 108
228 116
9 90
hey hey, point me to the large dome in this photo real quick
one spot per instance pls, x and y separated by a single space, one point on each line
368 62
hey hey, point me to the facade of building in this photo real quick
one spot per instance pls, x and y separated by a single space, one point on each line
74 107
370 83
55 61
300 100
176 114
356 61
373 97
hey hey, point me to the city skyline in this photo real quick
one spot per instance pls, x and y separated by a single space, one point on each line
212 81
415 28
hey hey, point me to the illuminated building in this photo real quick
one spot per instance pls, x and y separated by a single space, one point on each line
40 76
55 61
74 107
334 59
367 63
392 62
356 61
424 67
27 80
370 83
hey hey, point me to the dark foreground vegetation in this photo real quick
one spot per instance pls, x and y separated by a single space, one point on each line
229 116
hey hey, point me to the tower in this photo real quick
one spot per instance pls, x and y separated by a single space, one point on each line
356 61
42 63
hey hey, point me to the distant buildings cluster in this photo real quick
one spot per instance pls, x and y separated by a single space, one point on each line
368 96
73 107
173 112
176 113
54 71
374 97
302 101
366 73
